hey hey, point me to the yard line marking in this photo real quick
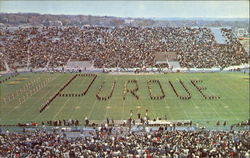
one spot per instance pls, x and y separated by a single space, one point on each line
167 105
151 103
139 101
153 110
180 104
83 99
171 115
12 94
73 111
239 95
235 116
123 102
108 105
123 109
219 117
59 111
15 100
91 111
193 104
43 98
107 108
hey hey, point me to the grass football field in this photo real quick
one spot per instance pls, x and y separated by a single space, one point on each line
23 96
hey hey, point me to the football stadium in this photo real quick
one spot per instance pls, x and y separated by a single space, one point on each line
108 87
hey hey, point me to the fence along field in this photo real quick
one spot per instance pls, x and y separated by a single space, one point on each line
197 97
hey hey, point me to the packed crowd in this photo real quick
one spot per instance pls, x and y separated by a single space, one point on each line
120 143
126 47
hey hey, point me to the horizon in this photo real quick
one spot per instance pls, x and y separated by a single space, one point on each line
132 9
197 17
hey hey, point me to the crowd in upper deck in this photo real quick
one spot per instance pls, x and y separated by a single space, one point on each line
127 47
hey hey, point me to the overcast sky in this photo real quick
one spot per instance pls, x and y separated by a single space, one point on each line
163 9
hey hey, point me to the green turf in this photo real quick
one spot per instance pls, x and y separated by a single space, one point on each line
233 88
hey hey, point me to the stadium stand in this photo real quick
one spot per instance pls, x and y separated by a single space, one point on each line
127 47
118 142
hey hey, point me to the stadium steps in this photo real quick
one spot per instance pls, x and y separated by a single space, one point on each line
6 66
174 64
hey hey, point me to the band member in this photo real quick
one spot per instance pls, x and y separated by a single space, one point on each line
146 113
139 115
86 121
131 113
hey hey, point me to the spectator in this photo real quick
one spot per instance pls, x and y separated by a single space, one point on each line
106 143
127 47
